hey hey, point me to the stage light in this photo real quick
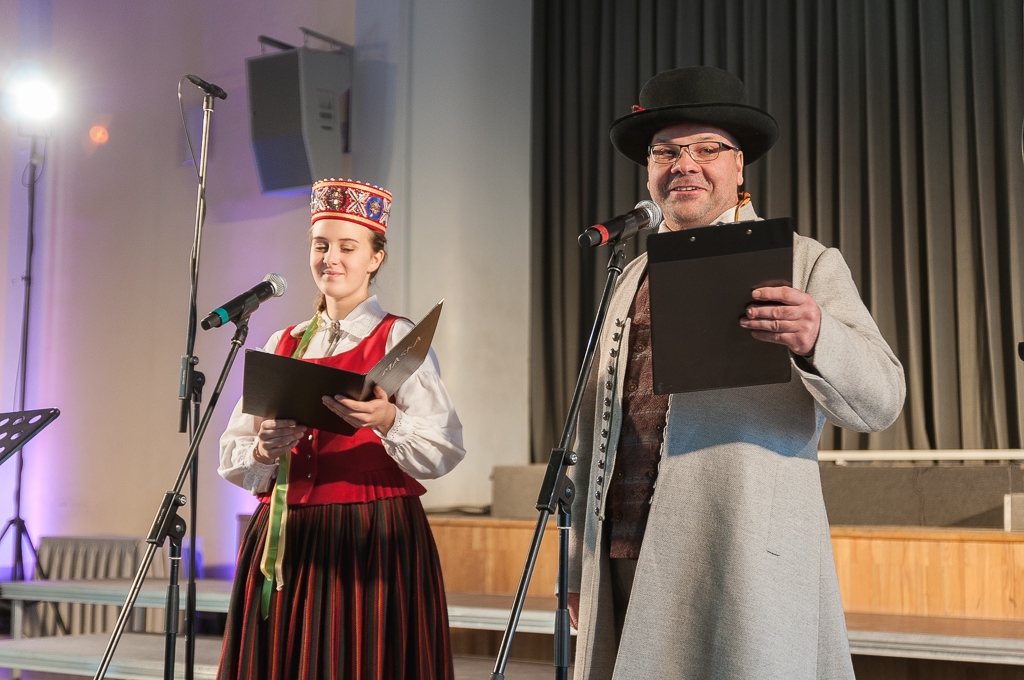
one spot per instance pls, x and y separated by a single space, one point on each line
33 99
99 135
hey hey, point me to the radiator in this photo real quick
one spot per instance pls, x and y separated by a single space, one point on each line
89 558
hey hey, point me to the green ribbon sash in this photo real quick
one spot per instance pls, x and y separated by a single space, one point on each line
272 563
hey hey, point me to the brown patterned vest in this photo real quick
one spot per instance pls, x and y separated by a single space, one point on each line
643 424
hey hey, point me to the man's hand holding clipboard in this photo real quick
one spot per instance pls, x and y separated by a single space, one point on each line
786 316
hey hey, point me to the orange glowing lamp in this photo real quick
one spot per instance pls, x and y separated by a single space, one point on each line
99 135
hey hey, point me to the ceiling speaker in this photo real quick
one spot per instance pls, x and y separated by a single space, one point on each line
299 116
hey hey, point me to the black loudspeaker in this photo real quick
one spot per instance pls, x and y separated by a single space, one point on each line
298 116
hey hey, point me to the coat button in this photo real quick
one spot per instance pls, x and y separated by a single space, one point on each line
608 386
601 448
309 475
616 336
310 437
600 464
611 369
606 415
614 352
604 433
620 323
309 456
597 496
608 400
600 480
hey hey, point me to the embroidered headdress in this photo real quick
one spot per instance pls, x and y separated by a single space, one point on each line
347 199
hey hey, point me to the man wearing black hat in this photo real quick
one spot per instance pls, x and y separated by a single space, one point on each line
700 546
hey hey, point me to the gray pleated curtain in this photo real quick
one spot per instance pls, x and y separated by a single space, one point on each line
900 144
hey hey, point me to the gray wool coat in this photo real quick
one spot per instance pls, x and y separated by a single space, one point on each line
735 577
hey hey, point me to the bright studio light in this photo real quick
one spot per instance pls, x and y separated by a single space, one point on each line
33 99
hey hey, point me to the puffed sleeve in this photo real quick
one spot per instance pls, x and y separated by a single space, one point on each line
426 438
853 374
237 464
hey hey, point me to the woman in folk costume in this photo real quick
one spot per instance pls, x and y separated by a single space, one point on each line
338 575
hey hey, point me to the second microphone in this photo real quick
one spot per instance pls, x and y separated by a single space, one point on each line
238 308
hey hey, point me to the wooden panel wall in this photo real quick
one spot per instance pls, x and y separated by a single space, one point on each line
484 555
962 573
973 573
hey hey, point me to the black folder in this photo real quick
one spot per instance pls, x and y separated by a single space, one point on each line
291 389
700 283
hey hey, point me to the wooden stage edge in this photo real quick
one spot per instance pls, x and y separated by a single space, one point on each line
931 572
926 572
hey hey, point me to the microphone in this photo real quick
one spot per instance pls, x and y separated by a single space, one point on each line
241 307
624 227
208 88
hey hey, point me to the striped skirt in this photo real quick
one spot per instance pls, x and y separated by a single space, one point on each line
363 598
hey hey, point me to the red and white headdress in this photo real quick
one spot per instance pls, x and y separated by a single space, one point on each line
347 199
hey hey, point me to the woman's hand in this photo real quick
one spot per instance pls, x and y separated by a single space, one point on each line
378 413
276 438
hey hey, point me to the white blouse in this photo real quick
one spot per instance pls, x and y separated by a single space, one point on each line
425 440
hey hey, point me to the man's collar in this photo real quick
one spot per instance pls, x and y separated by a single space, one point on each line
747 213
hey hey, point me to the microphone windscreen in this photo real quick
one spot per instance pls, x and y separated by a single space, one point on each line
277 282
653 210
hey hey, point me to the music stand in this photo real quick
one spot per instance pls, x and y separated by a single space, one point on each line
16 429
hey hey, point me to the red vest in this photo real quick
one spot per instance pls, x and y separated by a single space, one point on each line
332 468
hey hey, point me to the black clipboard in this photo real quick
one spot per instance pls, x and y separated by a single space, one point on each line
700 283
291 389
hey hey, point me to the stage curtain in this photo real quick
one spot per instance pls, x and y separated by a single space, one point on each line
900 144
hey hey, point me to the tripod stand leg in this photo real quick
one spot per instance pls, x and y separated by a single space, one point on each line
17 621
18 609
43 573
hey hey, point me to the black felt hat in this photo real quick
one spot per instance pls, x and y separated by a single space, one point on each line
696 94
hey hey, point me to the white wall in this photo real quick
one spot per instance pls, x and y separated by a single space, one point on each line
468 168
444 125
11 149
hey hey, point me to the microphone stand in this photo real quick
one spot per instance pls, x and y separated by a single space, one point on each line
556 495
190 393
167 524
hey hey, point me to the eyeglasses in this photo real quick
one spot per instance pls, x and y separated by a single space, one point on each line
700 152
